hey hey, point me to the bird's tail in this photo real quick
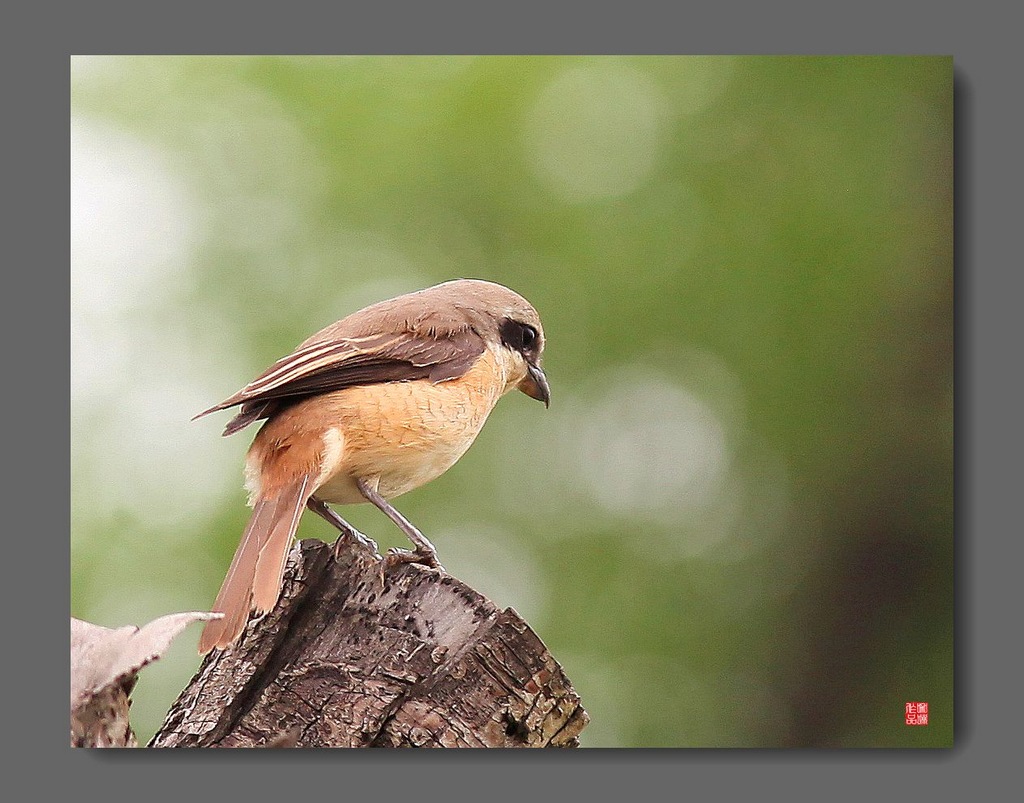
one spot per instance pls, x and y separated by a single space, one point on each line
253 581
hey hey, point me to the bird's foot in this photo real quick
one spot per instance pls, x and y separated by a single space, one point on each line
353 536
396 557
363 540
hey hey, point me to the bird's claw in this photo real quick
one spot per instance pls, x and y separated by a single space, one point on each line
397 557
353 535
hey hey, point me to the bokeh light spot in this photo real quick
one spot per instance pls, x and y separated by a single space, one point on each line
651 450
594 131
132 235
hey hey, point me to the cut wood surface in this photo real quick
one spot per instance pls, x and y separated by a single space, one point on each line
353 658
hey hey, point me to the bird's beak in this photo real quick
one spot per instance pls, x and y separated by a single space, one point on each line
535 385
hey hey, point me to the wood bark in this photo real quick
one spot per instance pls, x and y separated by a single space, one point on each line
354 657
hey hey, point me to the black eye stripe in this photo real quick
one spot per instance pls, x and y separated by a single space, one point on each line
518 336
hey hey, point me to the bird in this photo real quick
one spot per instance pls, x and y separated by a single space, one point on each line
370 407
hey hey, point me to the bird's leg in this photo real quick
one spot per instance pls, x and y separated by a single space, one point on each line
319 507
425 552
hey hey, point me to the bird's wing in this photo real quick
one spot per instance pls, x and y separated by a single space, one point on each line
328 362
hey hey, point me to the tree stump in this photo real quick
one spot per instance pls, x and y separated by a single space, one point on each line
351 657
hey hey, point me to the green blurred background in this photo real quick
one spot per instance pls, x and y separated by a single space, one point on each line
734 526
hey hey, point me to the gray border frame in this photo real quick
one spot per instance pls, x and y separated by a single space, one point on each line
980 36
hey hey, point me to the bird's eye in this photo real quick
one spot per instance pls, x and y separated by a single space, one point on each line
529 336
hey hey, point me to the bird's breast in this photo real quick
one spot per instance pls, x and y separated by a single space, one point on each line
398 435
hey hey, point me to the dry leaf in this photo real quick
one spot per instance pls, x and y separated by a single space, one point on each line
104 666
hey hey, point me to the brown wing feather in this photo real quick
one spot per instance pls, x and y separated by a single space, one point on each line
330 361
258 565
